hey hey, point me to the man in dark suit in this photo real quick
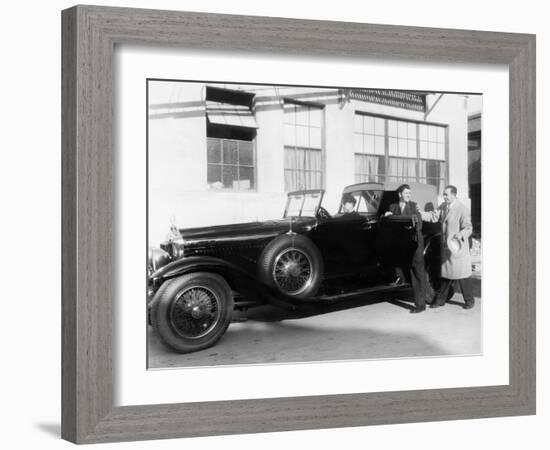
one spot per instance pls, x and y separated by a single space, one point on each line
406 207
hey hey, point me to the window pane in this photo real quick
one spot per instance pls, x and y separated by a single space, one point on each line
290 135
302 115
313 160
230 176
358 123
369 167
411 169
213 150
379 145
290 158
319 180
301 158
411 148
246 154
432 169
358 143
214 174
368 124
246 178
423 149
393 146
369 144
440 134
411 130
422 171
402 129
440 151
423 132
302 136
402 147
432 134
379 126
432 150
392 128
230 152
361 165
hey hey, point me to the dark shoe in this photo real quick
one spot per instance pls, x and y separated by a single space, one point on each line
418 309
469 305
436 305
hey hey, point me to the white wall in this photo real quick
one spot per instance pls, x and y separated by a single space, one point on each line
30 187
178 163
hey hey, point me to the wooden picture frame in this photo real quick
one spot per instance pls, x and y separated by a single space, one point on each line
89 37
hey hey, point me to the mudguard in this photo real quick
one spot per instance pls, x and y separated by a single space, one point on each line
245 283
232 273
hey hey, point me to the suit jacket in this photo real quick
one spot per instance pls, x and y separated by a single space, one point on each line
456 221
409 210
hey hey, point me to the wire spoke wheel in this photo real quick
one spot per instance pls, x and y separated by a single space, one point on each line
195 312
292 271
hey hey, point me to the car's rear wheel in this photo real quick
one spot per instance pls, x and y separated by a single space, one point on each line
292 265
193 311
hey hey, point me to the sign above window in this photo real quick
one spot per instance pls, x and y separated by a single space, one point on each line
400 99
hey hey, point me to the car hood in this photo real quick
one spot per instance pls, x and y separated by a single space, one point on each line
249 230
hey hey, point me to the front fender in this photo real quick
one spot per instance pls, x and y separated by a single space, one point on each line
237 278
243 282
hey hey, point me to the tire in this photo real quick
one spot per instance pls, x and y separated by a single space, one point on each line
192 312
291 265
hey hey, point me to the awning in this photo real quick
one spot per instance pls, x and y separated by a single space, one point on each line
230 115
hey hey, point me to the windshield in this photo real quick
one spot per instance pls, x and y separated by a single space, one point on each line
366 201
303 204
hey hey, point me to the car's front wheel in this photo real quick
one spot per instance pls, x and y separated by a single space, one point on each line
192 312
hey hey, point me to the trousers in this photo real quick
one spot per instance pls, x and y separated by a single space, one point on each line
417 274
466 288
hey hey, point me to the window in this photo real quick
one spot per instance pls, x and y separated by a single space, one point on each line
370 148
431 164
230 164
399 150
402 151
231 131
303 158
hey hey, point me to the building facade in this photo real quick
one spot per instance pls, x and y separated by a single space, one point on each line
227 153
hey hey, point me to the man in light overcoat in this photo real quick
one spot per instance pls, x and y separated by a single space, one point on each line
456 262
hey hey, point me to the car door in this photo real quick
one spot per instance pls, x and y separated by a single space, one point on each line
397 241
347 241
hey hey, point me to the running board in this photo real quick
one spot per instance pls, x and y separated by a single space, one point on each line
377 289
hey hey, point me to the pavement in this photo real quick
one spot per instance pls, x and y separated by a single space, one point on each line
360 328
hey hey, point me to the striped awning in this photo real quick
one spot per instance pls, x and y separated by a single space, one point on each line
230 115
410 100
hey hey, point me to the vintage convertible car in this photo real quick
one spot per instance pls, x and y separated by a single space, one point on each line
200 275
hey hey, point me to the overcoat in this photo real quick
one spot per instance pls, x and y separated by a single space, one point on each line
455 220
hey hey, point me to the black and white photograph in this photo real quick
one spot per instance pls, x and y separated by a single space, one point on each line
293 224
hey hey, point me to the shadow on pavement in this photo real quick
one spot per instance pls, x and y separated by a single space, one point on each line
295 342
269 313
